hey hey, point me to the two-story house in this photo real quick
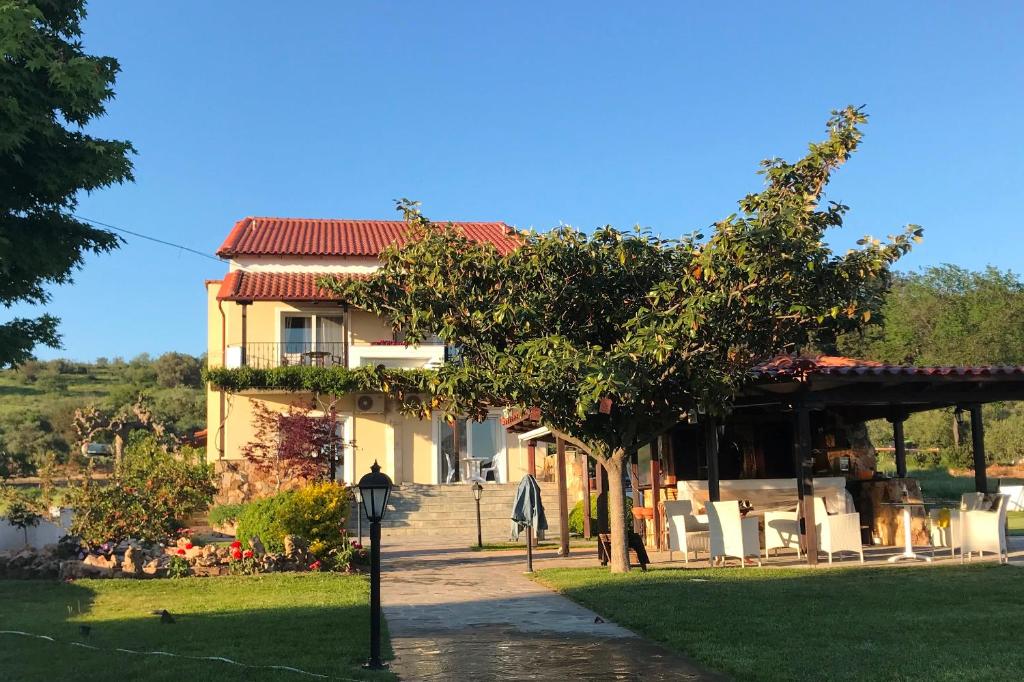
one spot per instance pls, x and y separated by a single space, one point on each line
268 311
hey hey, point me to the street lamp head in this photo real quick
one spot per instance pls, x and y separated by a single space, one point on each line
374 488
478 490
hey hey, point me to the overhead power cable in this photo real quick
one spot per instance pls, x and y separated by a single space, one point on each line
146 236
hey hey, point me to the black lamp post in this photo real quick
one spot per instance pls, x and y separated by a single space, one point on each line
374 489
478 490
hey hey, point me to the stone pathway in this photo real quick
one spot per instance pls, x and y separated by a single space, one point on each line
454 614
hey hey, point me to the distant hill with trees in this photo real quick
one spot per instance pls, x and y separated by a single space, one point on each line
39 400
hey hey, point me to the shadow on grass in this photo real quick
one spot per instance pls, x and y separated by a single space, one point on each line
929 623
327 639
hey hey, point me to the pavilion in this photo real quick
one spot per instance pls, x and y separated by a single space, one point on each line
789 423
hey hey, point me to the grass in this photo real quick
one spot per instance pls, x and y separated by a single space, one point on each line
1015 523
314 622
929 623
942 485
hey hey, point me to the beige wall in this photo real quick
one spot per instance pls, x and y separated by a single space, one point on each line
403 446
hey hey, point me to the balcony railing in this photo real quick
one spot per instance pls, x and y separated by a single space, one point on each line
268 354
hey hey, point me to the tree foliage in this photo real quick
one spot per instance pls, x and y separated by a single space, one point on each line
292 445
614 335
947 315
50 89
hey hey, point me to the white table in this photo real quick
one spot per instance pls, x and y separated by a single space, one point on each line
908 544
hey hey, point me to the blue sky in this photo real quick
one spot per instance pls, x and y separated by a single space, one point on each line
533 113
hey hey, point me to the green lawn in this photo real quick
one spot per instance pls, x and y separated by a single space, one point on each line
928 623
1015 523
314 622
940 484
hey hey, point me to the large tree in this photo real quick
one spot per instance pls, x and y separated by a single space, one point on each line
50 89
614 335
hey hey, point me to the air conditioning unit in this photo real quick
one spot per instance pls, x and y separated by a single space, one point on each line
369 403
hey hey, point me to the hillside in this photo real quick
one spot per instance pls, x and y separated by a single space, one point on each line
38 400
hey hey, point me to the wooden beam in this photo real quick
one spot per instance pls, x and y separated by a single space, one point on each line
656 498
563 499
603 525
531 458
900 445
585 482
978 445
805 481
711 453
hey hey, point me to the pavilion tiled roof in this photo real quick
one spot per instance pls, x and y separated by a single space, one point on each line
832 365
254 236
239 285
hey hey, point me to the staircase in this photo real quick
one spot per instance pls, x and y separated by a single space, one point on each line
449 512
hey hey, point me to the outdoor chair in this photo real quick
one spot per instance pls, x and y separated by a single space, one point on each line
837 532
685 533
946 534
732 535
490 467
984 530
452 469
781 531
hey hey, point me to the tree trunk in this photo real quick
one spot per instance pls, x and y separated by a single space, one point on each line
118 451
619 561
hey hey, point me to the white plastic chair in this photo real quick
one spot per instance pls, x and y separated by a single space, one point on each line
985 530
730 534
949 537
685 533
837 532
781 531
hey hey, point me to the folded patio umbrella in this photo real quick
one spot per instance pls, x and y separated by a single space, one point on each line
527 508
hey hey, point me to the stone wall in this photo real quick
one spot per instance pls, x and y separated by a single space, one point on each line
239 480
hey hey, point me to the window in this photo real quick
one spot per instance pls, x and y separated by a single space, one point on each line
313 336
479 441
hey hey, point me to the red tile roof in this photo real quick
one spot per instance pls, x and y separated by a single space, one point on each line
312 237
239 285
790 366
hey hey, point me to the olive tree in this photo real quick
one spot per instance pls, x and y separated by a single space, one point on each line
615 335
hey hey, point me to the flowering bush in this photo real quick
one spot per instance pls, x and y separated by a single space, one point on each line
243 563
315 513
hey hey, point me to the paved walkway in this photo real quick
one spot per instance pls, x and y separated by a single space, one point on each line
454 614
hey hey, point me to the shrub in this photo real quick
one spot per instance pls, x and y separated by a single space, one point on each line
225 513
262 518
178 568
576 514
315 513
150 493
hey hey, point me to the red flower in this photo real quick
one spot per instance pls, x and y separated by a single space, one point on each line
181 552
236 544
188 545
315 566
356 545
247 554
236 554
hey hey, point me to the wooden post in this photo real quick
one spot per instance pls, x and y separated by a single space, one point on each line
603 525
711 452
978 445
900 445
563 499
656 500
531 458
585 478
805 482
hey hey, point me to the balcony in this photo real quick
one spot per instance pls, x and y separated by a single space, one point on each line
270 354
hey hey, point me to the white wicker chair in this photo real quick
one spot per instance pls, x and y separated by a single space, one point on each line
985 530
685 533
837 532
732 535
781 531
